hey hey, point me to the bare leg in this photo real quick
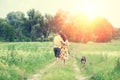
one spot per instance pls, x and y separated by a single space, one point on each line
57 59
63 61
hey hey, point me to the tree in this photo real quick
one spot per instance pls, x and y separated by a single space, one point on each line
74 26
60 19
7 32
39 26
35 33
78 28
2 28
116 34
34 24
103 29
17 19
48 25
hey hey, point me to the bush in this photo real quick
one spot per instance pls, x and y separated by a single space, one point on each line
45 39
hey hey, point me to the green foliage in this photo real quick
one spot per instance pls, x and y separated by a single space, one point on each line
35 26
18 28
16 19
19 60
10 72
7 32
102 63
116 70
60 72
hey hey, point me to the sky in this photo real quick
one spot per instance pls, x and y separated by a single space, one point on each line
109 9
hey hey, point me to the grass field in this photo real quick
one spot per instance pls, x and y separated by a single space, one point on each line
103 60
20 60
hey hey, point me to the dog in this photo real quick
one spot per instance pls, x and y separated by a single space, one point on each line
83 60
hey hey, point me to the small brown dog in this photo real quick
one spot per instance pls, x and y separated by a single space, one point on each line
83 60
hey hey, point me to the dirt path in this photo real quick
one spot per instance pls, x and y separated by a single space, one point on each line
77 70
38 75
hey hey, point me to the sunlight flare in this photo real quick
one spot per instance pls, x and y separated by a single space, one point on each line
90 10
87 8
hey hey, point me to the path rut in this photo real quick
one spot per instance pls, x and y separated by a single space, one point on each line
39 74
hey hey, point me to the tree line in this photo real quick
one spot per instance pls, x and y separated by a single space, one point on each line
37 27
79 28
18 27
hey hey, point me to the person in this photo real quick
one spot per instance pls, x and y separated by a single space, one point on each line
58 42
64 49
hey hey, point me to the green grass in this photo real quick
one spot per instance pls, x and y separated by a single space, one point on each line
102 60
60 72
19 60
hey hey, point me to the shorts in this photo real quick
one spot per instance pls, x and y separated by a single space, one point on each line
57 52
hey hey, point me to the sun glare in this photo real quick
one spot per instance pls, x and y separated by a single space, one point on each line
90 11
87 8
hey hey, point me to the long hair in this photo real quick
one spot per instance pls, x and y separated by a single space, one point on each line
63 35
